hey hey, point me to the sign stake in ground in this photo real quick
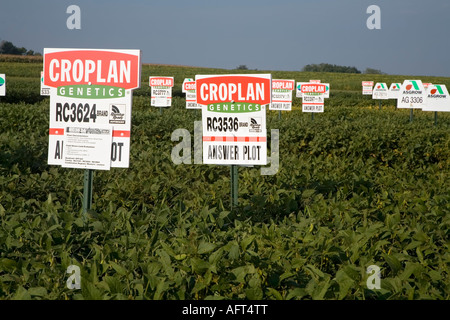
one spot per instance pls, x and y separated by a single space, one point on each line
87 191
234 185
234 120
90 109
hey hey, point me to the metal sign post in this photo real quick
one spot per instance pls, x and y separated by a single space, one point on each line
87 191
234 185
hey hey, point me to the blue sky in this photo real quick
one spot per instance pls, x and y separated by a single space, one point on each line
261 34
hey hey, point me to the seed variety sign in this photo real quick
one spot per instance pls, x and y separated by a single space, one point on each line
313 97
234 117
282 94
45 90
394 90
299 93
412 95
2 85
189 88
161 91
367 87
380 91
91 89
437 98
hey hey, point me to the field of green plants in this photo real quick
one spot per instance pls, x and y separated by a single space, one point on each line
357 186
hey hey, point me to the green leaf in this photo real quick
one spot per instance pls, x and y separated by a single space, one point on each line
233 254
7 264
118 268
21 294
205 247
37 291
296 293
246 242
393 263
199 266
274 293
254 293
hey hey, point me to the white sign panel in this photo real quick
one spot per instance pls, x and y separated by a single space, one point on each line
234 117
189 88
412 95
2 85
313 99
298 91
326 94
282 94
87 148
380 91
45 90
161 88
394 90
91 88
437 98
184 81
367 87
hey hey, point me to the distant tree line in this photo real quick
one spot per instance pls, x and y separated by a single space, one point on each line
373 71
326 67
7 47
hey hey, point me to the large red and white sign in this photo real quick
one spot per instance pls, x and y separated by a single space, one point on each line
68 67
234 117
91 89
282 94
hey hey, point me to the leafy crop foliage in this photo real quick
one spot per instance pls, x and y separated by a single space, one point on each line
357 186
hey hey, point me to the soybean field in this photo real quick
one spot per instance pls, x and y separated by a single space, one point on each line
359 185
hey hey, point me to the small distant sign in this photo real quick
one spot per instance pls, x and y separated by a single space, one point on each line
367 87
45 90
161 95
2 85
282 94
313 97
380 91
190 89
394 90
